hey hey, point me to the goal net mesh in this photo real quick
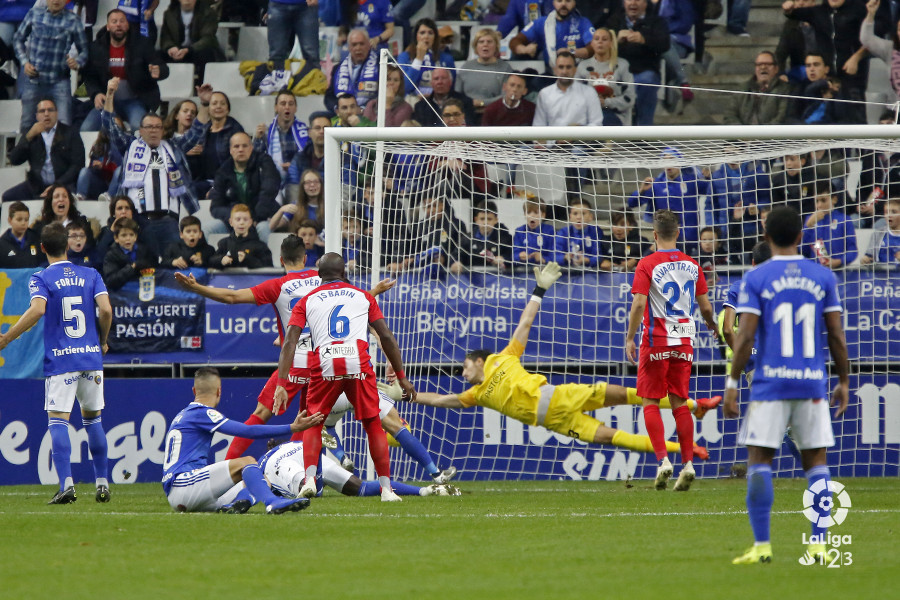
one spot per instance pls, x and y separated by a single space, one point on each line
461 225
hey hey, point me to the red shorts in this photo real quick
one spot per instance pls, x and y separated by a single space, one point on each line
298 380
665 370
362 394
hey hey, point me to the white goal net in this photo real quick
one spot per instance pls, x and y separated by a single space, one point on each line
460 216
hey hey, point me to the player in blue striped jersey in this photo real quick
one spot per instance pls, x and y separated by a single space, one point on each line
77 316
190 482
784 304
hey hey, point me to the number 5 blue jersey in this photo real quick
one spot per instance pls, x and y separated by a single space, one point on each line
71 342
791 296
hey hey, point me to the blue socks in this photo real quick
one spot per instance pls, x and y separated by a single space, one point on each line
61 449
256 483
373 488
759 500
412 446
97 446
339 451
814 475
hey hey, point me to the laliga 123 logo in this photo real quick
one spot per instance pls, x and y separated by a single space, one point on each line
826 504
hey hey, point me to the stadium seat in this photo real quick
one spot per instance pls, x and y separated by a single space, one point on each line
863 239
521 65
214 238
203 214
10 115
253 110
275 240
307 105
550 180
511 213
180 82
88 138
253 44
10 176
225 77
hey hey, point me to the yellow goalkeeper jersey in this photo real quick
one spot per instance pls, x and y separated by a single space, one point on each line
507 386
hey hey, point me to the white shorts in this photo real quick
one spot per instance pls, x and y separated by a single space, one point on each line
61 390
809 420
342 406
199 490
285 471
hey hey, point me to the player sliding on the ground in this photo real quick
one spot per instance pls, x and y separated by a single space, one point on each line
501 383
284 469
190 482
783 304
666 285
339 316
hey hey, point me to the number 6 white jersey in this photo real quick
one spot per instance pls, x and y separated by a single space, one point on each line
791 295
671 281
338 316
71 342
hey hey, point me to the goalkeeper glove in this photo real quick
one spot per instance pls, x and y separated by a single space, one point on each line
546 277
393 391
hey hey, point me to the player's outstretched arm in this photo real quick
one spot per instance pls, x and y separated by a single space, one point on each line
26 321
544 279
634 320
104 320
223 295
837 344
742 347
383 286
728 320
285 360
304 421
392 350
439 400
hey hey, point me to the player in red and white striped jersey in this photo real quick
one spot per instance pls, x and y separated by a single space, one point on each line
339 316
667 284
282 293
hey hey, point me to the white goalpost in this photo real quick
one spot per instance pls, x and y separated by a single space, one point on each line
413 203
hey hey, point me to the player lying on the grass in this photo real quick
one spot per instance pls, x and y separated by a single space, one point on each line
284 470
77 314
190 482
500 382
282 293
760 254
392 424
789 305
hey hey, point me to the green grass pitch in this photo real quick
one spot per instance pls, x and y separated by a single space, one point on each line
518 540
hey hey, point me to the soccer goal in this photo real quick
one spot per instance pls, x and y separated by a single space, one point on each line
461 215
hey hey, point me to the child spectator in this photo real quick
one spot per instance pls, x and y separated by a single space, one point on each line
20 247
793 185
490 244
242 248
308 231
626 246
436 240
79 252
192 250
126 258
533 242
710 252
884 246
119 207
580 243
829 236
353 244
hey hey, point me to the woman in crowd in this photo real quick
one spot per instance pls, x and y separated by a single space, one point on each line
482 79
615 88
423 55
59 207
305 201
398 110
215 144
96 178
119 207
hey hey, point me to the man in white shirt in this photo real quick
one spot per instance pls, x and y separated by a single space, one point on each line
568 102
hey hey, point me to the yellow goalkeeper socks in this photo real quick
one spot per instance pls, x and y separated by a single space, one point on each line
633 398
639 443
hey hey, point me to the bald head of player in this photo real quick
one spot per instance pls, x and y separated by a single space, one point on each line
665 229
207 386
331 267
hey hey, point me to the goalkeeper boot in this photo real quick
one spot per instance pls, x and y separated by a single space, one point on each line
238 507
685 478
283 505
444 476
309 488
328 440
388 495
347 463
103 494
436 489
66 496
704 405
663 472
758 554
701 452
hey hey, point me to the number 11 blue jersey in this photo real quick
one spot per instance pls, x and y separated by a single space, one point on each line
71 342
791 295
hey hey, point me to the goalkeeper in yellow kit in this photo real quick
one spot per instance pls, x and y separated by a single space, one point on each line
501 383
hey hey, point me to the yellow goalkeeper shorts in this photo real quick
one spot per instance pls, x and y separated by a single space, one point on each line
568 404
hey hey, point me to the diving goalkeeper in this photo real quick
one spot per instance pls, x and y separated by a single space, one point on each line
501 383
